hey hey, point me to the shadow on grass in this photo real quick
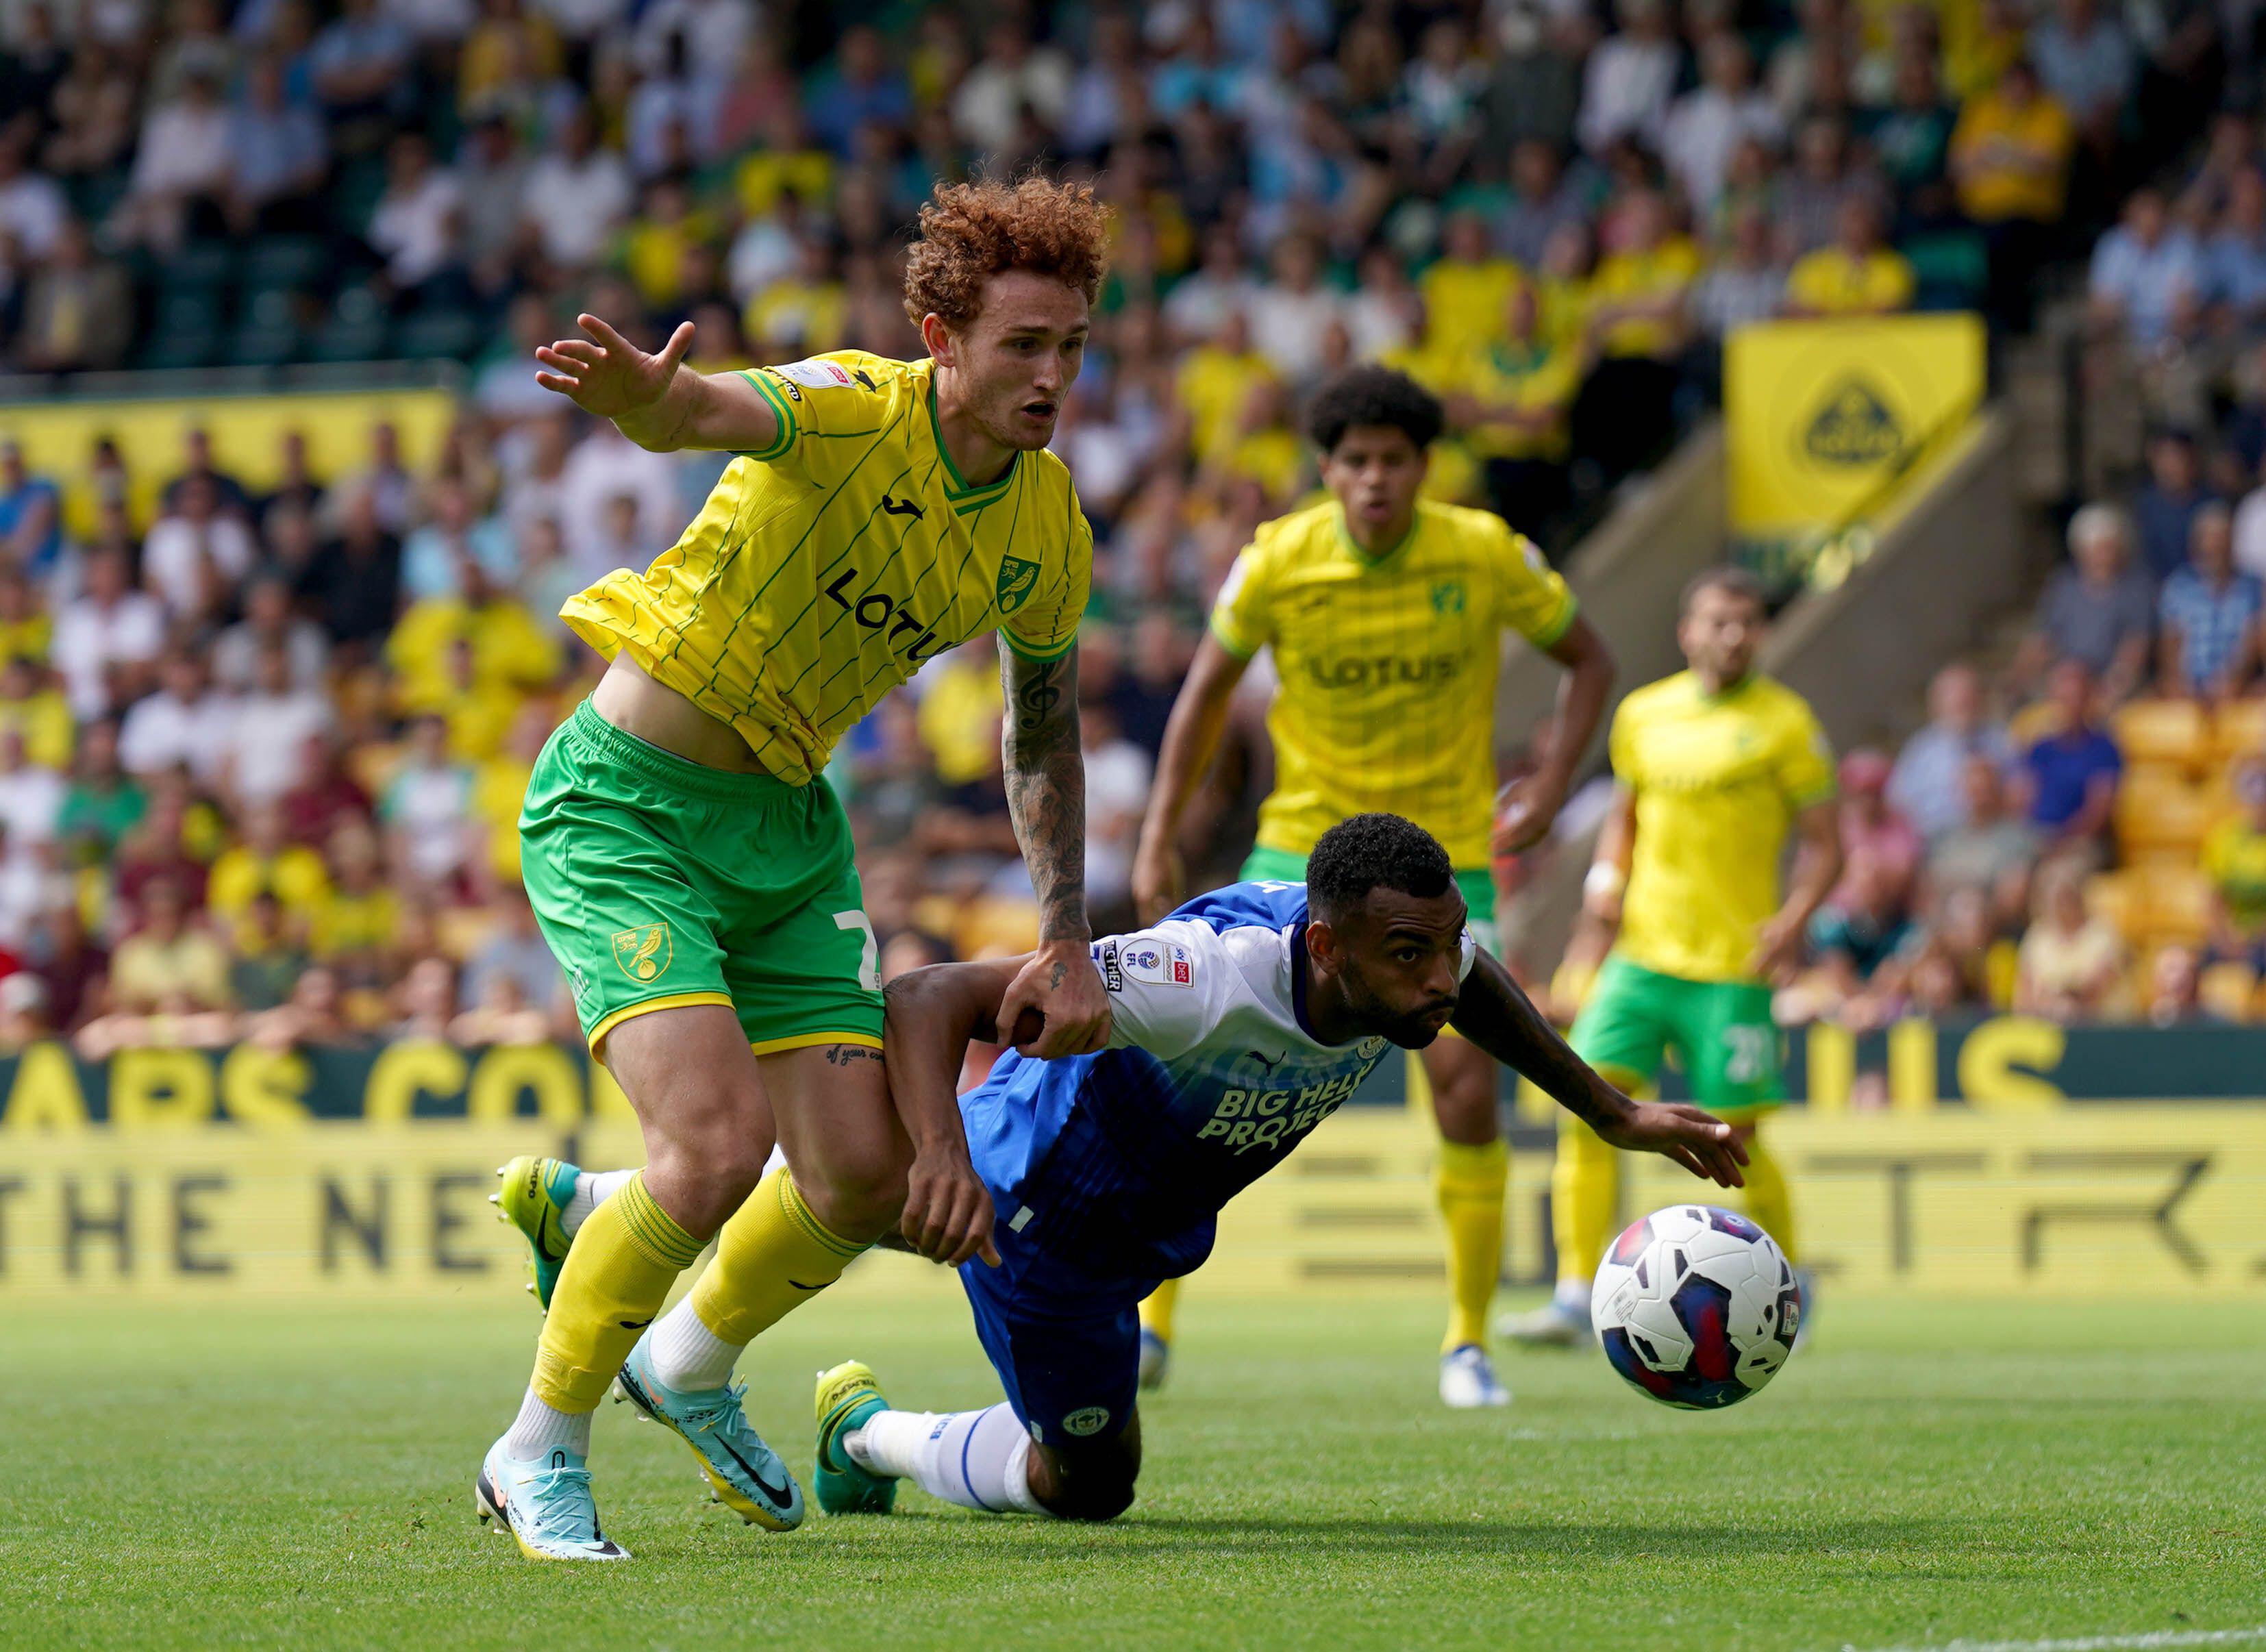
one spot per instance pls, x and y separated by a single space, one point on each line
1386 1534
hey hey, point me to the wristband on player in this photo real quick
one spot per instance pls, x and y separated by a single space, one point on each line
1604 881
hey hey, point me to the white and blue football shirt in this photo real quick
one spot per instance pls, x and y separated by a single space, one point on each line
1213 1073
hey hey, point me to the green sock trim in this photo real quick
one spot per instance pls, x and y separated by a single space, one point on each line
652 1230
815 1230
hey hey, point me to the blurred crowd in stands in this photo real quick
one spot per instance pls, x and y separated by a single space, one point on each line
261 752
2101 852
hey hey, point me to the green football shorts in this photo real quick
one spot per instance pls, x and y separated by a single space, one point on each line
660 882
1280 866
1720 1032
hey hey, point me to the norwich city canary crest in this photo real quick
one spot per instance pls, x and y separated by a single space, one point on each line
1018 579
644 952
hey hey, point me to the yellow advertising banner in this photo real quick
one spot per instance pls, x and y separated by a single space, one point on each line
2074 1201
58 438
1820 417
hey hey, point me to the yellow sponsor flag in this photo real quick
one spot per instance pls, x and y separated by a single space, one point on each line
1822 417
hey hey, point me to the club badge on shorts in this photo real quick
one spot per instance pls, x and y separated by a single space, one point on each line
643 953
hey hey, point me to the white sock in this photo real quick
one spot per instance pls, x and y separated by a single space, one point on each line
539 1429
1573 1295
687 1355
979 1459
591 1189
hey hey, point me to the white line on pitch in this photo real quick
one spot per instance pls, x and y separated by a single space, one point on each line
2094 1642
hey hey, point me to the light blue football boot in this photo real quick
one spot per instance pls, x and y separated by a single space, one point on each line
546 1506
745 1475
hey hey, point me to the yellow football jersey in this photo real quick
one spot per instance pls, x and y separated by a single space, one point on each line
1718 778
826 569
1388 667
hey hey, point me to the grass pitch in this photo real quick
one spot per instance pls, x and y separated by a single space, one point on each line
302 1476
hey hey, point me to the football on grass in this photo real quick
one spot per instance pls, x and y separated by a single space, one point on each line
1696 1307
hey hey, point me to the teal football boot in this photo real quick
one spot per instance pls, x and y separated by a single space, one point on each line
533 1199
848 1398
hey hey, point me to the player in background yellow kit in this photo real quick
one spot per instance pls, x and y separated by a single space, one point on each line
1385 614
1711 768
693 873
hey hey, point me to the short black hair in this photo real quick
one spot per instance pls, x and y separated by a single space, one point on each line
1374 851
1373 395
1738 581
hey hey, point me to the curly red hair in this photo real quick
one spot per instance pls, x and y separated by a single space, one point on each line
971 232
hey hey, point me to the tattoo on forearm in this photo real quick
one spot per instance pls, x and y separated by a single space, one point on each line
1045 777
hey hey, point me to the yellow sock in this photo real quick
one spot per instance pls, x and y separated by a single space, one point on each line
1585 1187
1469 1183
1767 1201
627 1255
1156 1311
772 1256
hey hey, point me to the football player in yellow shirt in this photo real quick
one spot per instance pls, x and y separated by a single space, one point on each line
1711 768
693 873
1386 613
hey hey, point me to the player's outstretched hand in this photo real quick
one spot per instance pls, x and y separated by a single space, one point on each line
1063 986
1697 1140
947 1211
609 376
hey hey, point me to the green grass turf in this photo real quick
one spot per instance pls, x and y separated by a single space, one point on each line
273 1475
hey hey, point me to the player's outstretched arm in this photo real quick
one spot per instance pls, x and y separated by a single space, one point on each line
649 400
1502 1020
1191 736
1045 773
930 1015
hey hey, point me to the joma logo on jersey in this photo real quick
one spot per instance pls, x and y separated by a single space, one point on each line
1018 579
643 953
1448 597
878 610
1381 670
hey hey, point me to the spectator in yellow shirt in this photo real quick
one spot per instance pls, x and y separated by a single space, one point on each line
266 862
807 313
2010 157
1266 448
1856 274
27 630
654 249
500 786
960 715
41 715
1640 325
168 963
1465 291
509 647
1214 385
2234 860
359 922
1515 407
